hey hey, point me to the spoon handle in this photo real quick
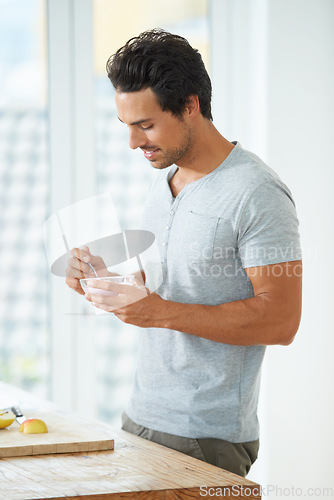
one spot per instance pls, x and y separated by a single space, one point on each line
92 268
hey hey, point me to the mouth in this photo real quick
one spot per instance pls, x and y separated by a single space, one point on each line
150 153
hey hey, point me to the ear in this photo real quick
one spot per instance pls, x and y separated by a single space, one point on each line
192 107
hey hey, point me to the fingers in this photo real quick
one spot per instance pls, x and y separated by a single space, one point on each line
77 269
109 304
109 286
140 285
123 295
86 249
84 255
116 287
103 307
75 285
98 264
81 254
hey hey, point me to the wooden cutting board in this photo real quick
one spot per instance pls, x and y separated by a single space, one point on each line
66 435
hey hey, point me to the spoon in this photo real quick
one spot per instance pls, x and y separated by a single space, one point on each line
92 268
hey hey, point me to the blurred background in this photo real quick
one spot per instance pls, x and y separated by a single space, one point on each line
272 69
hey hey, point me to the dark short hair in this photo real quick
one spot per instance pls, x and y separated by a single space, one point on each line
168 65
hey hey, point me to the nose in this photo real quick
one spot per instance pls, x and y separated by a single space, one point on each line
137 138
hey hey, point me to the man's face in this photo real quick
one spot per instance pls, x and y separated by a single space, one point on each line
164 138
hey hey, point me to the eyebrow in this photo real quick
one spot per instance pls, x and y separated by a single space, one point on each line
138 121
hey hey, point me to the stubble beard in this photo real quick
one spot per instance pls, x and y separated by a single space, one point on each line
174 155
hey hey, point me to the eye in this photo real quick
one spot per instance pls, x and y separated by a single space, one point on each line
146 128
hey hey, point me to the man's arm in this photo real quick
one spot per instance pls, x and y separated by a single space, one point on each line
271 317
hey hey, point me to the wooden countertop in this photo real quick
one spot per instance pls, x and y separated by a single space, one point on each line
135 469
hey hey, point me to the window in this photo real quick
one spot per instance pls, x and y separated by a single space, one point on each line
24 187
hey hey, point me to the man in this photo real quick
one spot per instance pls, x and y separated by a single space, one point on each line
227 231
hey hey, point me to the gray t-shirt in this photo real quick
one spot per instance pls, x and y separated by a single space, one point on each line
238 216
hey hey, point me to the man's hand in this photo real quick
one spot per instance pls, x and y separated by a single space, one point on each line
77 268
133 304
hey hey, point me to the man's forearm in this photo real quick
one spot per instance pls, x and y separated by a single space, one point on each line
254 321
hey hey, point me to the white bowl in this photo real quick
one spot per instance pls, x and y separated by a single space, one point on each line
127 279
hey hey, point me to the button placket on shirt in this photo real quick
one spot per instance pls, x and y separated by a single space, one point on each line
167 232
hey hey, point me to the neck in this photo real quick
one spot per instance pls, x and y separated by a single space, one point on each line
207 151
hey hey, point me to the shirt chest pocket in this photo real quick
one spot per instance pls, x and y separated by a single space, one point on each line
198 236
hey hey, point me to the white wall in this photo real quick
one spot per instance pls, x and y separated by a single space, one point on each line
275 69
299 388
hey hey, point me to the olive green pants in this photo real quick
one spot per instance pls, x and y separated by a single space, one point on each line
234 457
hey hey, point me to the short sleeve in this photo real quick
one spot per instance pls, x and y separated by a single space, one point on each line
268 227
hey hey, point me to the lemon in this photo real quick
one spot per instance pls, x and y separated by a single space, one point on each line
6 418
